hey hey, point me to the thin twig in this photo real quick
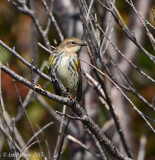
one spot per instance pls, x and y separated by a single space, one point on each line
83 146
38 132
29 122
115 117
28 11
134 107
53 20
128 33
60 136
62 140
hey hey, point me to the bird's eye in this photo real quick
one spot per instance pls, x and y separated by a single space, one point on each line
73 43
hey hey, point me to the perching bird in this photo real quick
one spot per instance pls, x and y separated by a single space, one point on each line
66 64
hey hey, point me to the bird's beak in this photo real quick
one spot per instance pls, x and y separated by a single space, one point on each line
82 44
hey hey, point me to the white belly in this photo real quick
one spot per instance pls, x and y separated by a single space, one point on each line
67 75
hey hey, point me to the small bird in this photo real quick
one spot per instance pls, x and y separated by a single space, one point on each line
66 64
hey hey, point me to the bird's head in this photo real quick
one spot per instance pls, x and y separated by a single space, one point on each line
71 45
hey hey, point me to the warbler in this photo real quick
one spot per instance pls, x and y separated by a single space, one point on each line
66 64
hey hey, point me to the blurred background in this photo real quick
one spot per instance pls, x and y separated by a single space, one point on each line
18 31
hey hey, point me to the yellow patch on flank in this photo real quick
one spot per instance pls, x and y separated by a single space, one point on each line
77 65
51 60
